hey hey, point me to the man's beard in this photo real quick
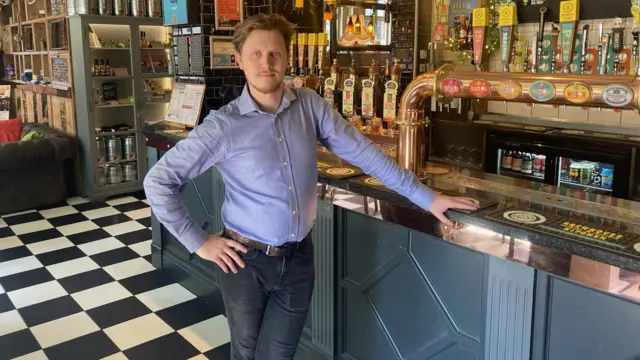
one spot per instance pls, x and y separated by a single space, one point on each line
267 88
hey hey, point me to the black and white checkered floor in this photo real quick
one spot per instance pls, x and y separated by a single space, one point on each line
76 282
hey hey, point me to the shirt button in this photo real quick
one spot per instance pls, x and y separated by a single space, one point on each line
280 139
293 235
290 187
293 212
286 163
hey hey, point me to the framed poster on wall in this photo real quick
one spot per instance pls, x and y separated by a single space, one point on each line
229 13
222 52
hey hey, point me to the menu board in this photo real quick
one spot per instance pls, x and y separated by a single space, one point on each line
185 105
228 14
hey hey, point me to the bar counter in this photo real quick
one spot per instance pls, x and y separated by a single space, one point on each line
393 283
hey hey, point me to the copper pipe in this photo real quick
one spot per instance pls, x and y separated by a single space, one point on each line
411 119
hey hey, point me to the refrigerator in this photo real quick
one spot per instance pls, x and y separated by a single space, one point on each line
568 163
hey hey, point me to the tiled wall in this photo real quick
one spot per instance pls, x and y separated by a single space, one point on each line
570 113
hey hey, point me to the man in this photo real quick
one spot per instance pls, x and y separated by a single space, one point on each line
264 145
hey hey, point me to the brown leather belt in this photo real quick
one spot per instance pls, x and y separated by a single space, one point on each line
285 250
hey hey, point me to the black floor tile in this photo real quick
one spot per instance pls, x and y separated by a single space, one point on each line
53 206
88 236
67 219
14 253
145 221
5 303
17 344
148 258
49 310
42 235
140 195
114 256
85 280
135 237
171 346
222 352
131 206
150 280
25 279
6 232
111 220
90 206
96 345
118 312
187 313
24 218
58 256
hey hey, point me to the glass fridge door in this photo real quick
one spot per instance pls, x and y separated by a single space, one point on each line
519 164
589 176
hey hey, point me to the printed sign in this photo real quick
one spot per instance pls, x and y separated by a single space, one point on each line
542 91
509 89
617 95
577 93
479 88
451 87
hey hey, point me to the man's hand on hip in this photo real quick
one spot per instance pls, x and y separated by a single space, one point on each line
221 251
443 203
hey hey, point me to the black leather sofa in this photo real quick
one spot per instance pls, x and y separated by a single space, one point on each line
37 173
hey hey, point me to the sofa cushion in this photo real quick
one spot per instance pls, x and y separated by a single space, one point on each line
10 130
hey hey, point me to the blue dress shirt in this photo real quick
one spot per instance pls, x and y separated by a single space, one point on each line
269 166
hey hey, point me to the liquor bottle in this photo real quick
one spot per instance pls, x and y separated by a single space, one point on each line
516 163
396 71
101 67
507 159
358 26
96 68
107 68
353 70
335 71
387 73
350 26
527 164
387 12
374 72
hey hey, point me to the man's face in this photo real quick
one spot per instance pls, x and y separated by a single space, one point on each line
264 60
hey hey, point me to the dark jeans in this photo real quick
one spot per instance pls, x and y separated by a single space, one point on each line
267 303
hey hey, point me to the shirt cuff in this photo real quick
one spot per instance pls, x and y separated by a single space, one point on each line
194 238
423 197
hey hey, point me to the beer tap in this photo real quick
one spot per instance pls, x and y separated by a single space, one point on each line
617 43
634 50
605 54
583 60
554 46
508 20
525 65
537 49
480 22
569 11
600 53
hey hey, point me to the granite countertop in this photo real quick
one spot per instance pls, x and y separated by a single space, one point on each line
541 245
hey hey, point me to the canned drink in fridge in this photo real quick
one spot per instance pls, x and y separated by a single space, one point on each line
130 171
121 7
86 6
114 173
154 8
71 8
129 148
102 176
138 8
101 150
114 149
104 7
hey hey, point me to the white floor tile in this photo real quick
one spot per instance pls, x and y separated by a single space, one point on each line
77 201
1 289
19 213
30 227
139 214
10 322
123 228
207 334
2 223
145 201
59 211
72 267
142 248
121 200
199 357
348 205
10 242
99 246
137 331
36 294
76 228
49 245
100 295
19 265
64 329
165 297
128 268
102 212
116 356
38 355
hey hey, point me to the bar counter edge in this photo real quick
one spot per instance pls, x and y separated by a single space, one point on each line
407 288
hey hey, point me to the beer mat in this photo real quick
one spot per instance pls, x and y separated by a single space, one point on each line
340 172
435 170
323 165
608 239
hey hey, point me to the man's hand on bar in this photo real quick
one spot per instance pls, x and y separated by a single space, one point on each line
443 203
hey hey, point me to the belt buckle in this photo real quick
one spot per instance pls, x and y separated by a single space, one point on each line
268 251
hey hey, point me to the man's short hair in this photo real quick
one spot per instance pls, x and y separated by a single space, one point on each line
273 22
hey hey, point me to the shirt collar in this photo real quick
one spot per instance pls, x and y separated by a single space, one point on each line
246 104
